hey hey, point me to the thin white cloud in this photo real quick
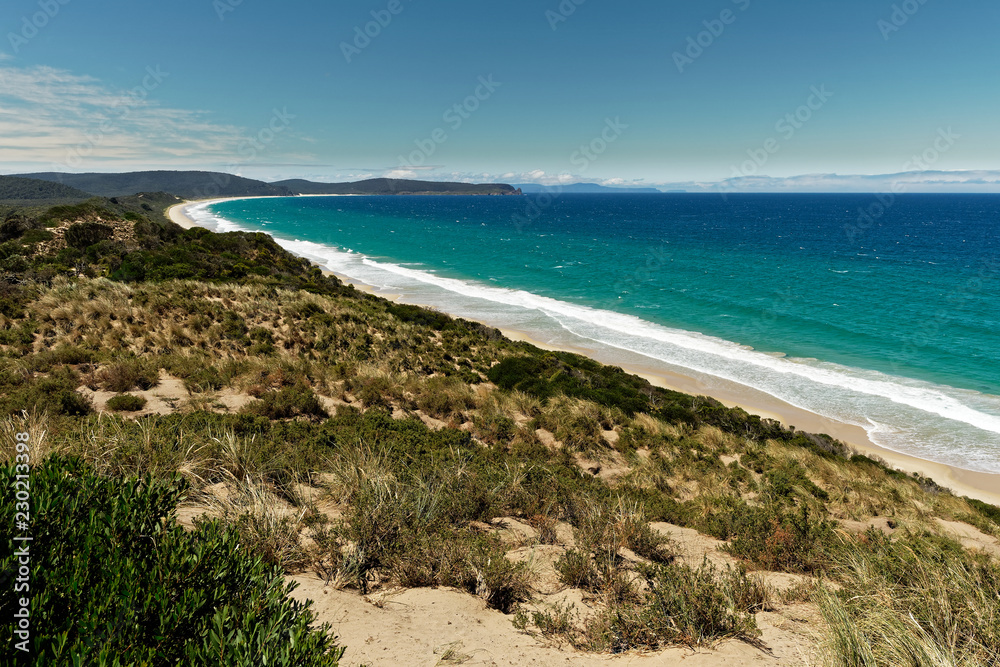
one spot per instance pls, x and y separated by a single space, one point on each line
58 120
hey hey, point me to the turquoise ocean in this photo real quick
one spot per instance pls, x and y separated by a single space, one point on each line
874 310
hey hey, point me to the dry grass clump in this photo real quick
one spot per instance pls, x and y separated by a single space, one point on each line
38 447
919 600
237 457
446 398
609 536
715 440
267 525
577 423
120 447
860 491
127 374
657 427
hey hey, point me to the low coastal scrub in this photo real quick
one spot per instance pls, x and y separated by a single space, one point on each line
382 445
666 604
681 605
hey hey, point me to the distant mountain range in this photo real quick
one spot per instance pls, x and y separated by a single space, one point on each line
582 188
209 184
186 184
395 186
31 189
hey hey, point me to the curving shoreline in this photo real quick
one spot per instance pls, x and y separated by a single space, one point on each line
979 485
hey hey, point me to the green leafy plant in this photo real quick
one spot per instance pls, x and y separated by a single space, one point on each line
179 597
126 403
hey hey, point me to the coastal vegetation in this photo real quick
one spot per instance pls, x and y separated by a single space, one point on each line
208 413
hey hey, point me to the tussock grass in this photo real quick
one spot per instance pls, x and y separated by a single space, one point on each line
919 600
39 445
406 528
266 524
657 427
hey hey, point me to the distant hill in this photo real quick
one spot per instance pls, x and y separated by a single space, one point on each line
33 189
583 188
186 184
395 186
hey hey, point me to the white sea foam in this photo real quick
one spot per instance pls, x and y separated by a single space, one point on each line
945 424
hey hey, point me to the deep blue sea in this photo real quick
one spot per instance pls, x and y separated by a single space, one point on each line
880 313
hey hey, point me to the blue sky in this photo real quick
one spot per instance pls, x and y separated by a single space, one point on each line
597 91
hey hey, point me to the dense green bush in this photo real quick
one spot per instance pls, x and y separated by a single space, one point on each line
55 394
126 403
114 581
774 538
570 374
288 402
85 234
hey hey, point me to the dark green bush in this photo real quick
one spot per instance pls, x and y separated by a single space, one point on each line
114 581
776 539
288 402
64 354
36 236
85 234
54 394
233 326
126 403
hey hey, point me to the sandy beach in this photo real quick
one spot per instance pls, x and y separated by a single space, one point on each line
978 485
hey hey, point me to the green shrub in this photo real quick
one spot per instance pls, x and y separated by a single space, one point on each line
577 569
64 354
126 403
495 429
178 598
987 511
444 397
775 539
682 605
287 403
55 394
36 236
233 326
377 392
84 234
